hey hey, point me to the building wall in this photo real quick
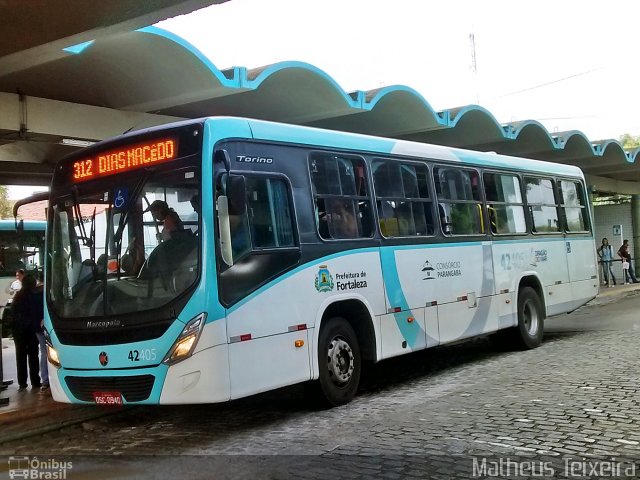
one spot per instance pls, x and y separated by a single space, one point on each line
605 217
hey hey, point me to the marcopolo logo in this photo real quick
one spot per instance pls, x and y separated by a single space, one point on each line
324 280
38 468
104 358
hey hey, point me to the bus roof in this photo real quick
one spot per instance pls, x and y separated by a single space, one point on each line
236 127
263 130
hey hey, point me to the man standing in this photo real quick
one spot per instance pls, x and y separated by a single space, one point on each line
623 253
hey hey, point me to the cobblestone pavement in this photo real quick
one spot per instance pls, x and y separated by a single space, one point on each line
427 415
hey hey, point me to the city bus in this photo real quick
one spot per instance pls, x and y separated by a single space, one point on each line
213 259
21 247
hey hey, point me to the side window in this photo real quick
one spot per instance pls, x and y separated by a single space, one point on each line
402 199
268 220
573 205
504 203
341 198
459 200
542 204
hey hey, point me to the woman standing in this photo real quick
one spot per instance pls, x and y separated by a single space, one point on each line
606 256
24 335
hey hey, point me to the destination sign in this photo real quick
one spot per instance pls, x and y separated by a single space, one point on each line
124 159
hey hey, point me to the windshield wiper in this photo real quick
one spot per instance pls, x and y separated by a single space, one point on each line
92 235
86 240
117 237
122 221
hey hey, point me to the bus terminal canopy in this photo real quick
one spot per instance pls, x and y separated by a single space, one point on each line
101 88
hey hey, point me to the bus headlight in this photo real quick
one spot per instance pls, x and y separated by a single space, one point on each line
186 343
52 354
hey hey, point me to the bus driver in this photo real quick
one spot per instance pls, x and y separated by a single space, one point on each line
170 220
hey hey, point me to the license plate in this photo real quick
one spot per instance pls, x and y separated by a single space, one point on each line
107 398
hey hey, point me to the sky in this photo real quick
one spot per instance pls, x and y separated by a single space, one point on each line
571 65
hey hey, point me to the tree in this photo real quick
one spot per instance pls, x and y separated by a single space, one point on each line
629 142
6 210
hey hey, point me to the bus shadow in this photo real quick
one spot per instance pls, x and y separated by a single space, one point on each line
395 372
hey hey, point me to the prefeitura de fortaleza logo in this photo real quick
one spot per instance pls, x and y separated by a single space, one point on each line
324 280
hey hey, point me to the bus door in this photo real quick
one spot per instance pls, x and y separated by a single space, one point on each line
406 217
404 329
268 345
463 287
581 260
461 265
549 251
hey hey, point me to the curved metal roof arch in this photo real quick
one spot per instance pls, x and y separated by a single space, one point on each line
154 71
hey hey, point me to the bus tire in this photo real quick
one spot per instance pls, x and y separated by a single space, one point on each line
528 333
339 362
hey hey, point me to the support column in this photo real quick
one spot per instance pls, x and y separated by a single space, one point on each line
635 229
592 210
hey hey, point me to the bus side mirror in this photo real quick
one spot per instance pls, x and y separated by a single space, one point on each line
19 227
236 194
223 156
225 230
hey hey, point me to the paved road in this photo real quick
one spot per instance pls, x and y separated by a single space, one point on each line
429 415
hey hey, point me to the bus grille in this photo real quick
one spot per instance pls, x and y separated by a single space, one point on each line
134 388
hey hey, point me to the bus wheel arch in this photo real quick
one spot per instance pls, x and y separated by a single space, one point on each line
533 282
531 312
345 339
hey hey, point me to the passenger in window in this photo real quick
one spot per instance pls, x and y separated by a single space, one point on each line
493 219
133 258
343 222
171 222
447 228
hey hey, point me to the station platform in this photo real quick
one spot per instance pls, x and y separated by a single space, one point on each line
606 294
32 412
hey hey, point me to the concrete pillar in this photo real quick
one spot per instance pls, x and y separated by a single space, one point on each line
635 229
592 210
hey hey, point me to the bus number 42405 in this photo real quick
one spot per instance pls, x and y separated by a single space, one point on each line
142 355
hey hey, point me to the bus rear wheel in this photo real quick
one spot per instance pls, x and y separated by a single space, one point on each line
339 362
528 332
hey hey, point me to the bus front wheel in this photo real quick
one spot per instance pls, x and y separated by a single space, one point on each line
339 362
528 332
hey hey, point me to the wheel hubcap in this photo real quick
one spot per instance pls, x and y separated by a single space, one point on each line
531 319
340 361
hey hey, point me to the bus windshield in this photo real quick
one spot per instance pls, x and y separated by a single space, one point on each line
124 247
19 250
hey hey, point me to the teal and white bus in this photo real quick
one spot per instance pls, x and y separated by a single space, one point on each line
218 258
